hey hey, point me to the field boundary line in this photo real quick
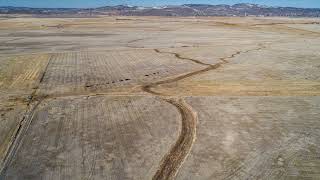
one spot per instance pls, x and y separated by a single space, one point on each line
18 137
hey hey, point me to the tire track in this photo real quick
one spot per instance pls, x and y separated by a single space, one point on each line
11 40
171 163
18 137
32 104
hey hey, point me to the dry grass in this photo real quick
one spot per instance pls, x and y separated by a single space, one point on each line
119 98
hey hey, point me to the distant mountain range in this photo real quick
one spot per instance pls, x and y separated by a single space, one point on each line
243 9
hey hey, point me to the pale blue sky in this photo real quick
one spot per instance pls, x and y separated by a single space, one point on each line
96 3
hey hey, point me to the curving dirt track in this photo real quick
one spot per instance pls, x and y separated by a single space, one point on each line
171 163
173 160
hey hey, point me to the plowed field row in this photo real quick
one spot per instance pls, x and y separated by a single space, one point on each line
80 71
96 137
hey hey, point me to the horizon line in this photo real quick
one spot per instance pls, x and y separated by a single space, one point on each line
267 6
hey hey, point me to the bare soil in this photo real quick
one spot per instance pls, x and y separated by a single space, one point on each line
159 98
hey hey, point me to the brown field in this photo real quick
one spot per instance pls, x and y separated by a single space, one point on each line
159 98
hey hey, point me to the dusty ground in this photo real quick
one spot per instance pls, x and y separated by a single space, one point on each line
159 98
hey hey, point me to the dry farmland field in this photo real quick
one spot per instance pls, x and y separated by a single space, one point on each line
159 98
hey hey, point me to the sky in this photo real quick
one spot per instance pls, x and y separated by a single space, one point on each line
99 3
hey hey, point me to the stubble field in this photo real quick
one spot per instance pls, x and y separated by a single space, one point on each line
159 98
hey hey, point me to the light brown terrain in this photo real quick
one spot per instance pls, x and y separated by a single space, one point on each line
159 98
